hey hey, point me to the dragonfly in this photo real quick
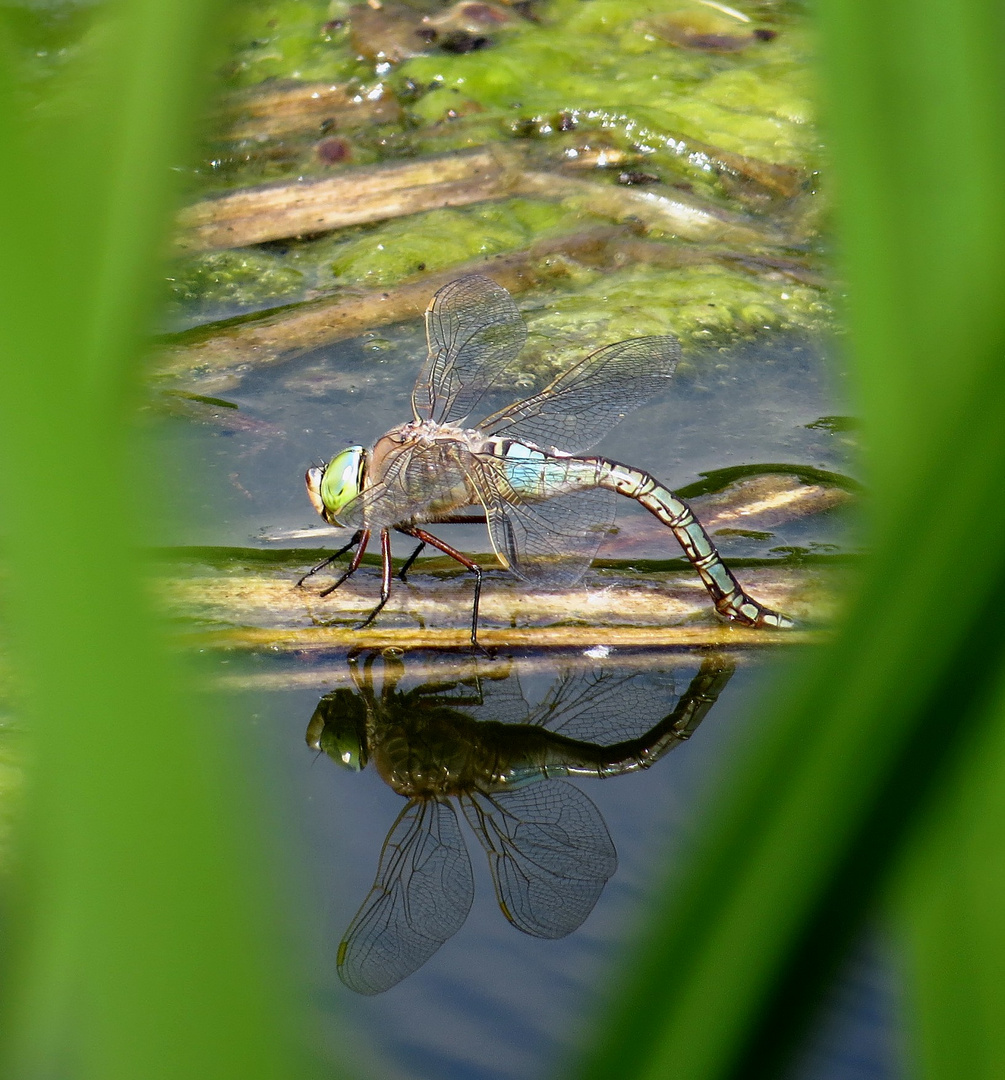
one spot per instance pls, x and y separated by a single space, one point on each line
477 745
524 469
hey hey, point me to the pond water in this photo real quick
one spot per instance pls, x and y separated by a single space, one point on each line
493 1002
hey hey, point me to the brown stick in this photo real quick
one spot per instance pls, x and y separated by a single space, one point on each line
292 108
554 637
357 196
278 211
675 212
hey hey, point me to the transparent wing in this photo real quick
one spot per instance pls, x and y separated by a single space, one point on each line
420 898
613 705
418 480
575 410
550 540
503 701
605 706
474 331
549 852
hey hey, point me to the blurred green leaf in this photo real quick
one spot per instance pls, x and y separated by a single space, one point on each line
139 929
739 950
948 903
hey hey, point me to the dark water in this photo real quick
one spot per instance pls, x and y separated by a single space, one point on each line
494 1002
744 406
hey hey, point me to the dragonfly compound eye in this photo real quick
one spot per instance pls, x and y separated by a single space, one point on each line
340 483
338 727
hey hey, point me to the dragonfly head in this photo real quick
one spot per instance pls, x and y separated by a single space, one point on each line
338 727
332 488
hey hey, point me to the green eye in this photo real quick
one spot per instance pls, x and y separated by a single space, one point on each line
338 727
342 480
345 748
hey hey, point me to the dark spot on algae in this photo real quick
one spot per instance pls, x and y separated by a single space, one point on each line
335 150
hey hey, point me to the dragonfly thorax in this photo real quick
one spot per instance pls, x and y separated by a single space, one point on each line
428 432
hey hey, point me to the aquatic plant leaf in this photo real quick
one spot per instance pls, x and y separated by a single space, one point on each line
128 879
945 909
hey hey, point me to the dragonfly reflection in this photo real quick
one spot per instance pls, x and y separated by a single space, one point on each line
548 847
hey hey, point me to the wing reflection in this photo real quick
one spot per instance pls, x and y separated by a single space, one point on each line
480 739
421 897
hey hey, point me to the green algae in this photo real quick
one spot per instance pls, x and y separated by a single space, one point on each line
374 256
580 80
226 166
703 305
234 278
441 238
599 62
603 57
287 39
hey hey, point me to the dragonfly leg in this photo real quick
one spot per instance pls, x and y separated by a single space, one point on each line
364 539
385 578
411 559
453 519
468 564
331 558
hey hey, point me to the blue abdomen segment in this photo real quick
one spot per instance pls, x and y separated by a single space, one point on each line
526 470
535 475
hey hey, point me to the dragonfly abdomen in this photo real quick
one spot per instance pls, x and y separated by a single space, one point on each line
535 474
727 593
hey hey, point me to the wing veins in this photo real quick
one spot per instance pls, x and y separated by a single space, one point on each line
584 402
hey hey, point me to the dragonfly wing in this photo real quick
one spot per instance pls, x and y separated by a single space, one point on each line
549 852
474 331
420 898
605 706
550 541
575 410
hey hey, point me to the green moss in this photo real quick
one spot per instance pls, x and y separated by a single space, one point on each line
604 64
233 278
599 74
603 57
703 305
442 238
287 39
